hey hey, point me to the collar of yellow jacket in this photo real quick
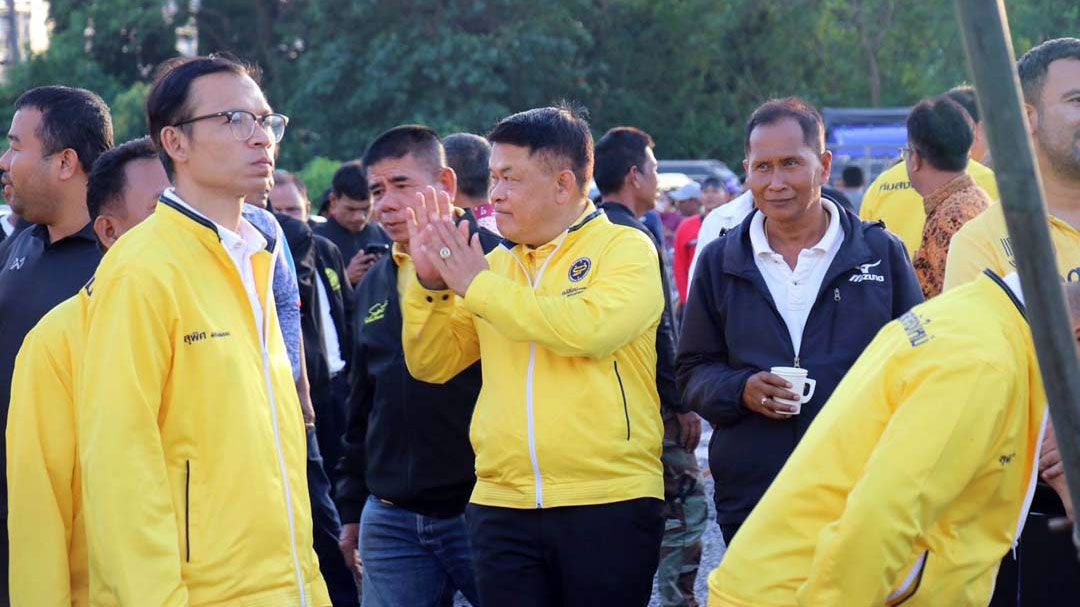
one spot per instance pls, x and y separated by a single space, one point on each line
400 255
196 224
590 213
1061 225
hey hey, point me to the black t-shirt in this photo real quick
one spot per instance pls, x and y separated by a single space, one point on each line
35 276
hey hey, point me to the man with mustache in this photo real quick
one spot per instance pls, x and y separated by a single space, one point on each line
48 539
55 136
1043 570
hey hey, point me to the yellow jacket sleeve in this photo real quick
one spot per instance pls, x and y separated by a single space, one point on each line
928 453
438 334
968 257
132 532
624 299
41 462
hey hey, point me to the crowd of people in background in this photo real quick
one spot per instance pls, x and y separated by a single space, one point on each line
457 374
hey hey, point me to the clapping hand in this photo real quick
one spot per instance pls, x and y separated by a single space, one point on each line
444 255
430 205
458 258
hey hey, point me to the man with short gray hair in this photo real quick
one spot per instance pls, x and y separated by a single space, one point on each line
800 285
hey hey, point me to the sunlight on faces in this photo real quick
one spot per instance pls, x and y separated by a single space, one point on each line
394 184
535 198
649 180
209 154
28 175
783 172
1057 117
287 199
144 180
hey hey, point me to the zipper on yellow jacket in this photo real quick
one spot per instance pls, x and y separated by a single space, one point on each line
1032 482
268 301
529 378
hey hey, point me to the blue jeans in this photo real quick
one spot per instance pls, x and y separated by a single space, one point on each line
412 560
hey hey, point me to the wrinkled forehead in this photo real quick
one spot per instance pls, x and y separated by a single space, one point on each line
781 139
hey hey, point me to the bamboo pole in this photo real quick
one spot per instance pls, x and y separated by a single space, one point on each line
990 56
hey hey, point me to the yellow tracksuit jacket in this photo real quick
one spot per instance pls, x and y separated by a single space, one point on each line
568 414
892 199
191 438
914 480
48 566
983 243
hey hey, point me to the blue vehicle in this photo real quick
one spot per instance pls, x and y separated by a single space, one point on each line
870 138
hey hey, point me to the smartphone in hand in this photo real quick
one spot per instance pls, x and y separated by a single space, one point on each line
377 249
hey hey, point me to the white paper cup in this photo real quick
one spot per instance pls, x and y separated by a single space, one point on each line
800 384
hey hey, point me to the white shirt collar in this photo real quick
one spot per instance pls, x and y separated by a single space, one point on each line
1013 282
760 242
250 239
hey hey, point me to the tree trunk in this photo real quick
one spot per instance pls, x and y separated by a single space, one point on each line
875 78
871 24
13 34
264 38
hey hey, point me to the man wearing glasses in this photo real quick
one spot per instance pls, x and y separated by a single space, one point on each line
191 438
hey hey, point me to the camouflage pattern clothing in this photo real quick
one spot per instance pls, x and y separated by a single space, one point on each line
686 512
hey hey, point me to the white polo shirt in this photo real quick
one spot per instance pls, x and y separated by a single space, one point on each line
795 291
241 247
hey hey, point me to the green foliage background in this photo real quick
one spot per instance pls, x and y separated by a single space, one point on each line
687 71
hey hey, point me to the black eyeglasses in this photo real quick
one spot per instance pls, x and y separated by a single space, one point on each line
242 123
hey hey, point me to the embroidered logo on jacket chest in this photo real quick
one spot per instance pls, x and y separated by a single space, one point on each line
579 269
376 312
866 275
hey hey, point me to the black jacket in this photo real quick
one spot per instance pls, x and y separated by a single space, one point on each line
407 441
317 259
331 271
665 332
732 329
350 243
